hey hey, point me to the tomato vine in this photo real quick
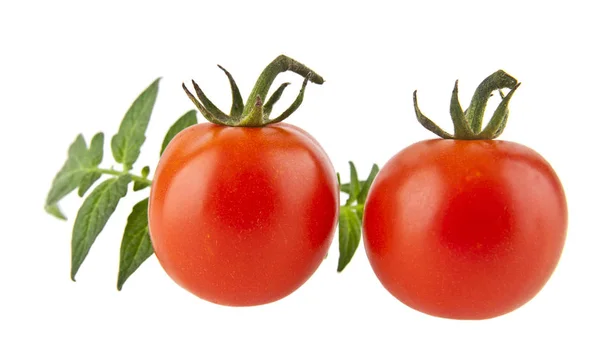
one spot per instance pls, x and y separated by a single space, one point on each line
82 168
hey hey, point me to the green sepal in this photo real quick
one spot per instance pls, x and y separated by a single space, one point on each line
212 108
427 123
467 124
255 113
237 102
293 107
274 99
207 115
461 126
498 121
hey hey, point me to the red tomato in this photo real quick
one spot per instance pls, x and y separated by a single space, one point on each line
243 216
465 229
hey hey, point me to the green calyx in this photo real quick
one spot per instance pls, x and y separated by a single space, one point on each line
468 123
255 113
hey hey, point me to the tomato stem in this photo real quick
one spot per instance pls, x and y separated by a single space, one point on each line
255 118
255 113
281 64
467 124
476 110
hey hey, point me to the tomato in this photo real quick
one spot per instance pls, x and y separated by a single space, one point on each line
243 209
243 216
465 229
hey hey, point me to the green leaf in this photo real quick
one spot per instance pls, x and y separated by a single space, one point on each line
96 149
359 212
136 246
349 236
145 171
354 189
93 215
137 186
94 159
126 144
79 164
188 119
55 211
87 181
365 186
69 176
345 188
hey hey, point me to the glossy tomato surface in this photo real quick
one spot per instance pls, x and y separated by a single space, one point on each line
465 229
243 216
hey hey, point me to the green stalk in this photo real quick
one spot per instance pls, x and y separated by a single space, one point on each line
468 124
281 64
121 173
256 112
476 110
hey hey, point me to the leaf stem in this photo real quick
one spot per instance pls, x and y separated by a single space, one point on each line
356 207
121 173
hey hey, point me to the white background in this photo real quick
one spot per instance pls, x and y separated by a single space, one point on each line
73 67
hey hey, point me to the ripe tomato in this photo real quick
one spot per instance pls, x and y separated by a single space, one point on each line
243 215
465 229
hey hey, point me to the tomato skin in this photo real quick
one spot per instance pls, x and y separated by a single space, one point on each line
243 216
465 229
